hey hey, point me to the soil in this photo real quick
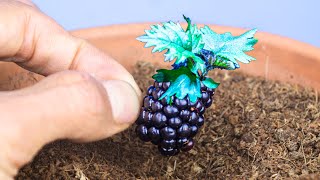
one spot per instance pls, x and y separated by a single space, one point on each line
256 129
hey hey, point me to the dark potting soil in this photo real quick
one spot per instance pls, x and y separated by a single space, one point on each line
255 129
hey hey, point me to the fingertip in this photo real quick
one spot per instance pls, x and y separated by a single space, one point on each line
124 101
135 86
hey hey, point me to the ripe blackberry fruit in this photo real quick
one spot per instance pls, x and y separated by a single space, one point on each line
171 126
173 108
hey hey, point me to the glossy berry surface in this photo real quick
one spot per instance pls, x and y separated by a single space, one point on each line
171 126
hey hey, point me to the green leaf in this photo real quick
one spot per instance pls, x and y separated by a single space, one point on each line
221 63
183 83
229 47
210 83
188 21
180 45
184 86
165 75
171 37
194 36
198 64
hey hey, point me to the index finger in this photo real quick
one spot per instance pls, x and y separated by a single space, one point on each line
37 43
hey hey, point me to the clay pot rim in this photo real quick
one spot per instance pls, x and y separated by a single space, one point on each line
291 45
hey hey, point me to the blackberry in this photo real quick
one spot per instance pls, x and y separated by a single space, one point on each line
171 126
174 106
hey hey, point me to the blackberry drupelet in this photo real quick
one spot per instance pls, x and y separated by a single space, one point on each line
171 126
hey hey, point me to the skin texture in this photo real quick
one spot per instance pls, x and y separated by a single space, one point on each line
83 97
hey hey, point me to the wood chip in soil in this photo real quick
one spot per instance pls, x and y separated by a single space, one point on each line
256 129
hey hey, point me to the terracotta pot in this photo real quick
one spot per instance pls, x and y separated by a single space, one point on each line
278 58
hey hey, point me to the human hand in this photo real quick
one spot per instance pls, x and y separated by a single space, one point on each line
85 96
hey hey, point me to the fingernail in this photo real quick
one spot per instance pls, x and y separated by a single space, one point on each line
135 86
123 99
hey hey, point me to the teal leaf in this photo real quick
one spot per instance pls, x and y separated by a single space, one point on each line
182 87
198 64
194 37
208 82
179 44
195 91
169 36
182 83
229 47
188 20
165 75
223 63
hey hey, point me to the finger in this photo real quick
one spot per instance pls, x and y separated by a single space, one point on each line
67 104
5 176
37 43
28 2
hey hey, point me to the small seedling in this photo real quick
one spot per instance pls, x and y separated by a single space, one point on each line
173 109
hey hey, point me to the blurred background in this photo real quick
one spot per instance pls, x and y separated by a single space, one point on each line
295 19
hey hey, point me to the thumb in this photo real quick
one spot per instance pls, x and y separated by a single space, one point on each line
66 105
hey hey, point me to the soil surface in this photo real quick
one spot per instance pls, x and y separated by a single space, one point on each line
255 129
